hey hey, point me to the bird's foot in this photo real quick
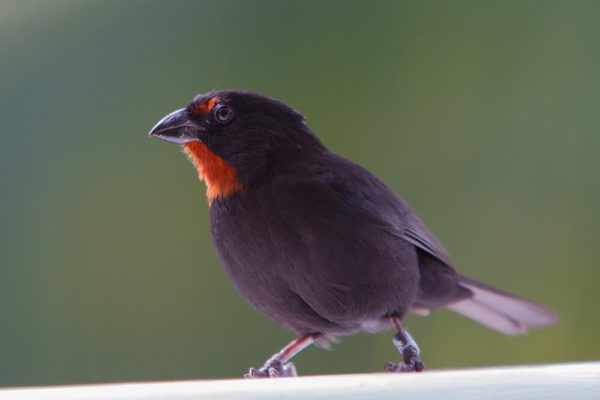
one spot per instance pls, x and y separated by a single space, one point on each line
278 366
273 369
416 366
411 354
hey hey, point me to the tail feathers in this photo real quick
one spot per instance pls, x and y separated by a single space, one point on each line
499 310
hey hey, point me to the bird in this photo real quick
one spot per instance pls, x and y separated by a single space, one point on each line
316 242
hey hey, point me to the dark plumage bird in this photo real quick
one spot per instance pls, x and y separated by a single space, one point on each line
316 242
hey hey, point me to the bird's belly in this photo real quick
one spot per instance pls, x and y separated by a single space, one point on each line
375 325
323 283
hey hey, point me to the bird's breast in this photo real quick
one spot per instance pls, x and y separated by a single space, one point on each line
220 177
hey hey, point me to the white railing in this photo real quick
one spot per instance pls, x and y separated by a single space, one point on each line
575 381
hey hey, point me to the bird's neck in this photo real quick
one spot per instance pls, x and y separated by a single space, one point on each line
220 177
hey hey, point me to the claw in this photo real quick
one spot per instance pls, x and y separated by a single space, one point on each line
391 366
417 366
273 369
255 373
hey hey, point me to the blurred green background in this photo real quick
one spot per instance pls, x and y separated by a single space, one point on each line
483 115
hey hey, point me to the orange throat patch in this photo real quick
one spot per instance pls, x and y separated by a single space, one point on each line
221 179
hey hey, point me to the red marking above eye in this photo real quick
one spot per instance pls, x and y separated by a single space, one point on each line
207 105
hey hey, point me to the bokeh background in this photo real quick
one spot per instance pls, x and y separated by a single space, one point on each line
484 115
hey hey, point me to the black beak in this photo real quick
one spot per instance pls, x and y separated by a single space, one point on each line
176 127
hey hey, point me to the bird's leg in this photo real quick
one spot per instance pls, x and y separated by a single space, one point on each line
406 345
279 364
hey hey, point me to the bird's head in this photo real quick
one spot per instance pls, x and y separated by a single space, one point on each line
237 139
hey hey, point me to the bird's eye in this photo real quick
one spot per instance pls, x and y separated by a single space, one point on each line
222 113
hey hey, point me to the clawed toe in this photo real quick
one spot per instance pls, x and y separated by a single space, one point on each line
416 366
273 369
254 373
391 367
